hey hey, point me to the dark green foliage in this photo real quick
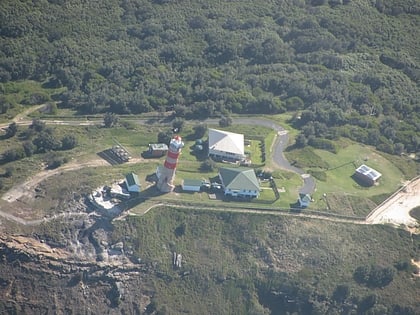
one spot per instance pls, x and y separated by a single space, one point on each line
199 131
180 230
11 130
225 121
29 148
13 155
46 141
178 124
374 276
324 144
208 165
9 171
347 65
68 142
164 137
367 303
110 120
341 293
54 160
38 125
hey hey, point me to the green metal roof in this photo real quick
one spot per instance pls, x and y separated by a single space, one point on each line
240 178
132 179
192 182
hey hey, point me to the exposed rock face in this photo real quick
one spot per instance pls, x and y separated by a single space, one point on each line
77 271
36 278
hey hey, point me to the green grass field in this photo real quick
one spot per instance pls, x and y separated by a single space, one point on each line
332 171
342 193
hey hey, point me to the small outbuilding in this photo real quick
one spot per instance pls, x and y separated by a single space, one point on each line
193 185
157 149
132 182
304 200
367 175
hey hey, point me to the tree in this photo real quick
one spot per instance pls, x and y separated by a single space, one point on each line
9 171
301 141
178 124
13 155
38 125
225 121
110 120
208 165
68 142
54 160
11 130
199 131
341 293
398 148
294 103
4 104
29 148
367 302
46 142
164 137
180 230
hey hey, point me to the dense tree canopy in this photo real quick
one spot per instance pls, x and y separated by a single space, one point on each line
351 64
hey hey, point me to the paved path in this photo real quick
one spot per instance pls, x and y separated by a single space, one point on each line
281 142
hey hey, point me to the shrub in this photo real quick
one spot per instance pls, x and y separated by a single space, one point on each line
68 142
13 155
374 276
323 144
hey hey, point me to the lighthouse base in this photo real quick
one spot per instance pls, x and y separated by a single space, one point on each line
165 179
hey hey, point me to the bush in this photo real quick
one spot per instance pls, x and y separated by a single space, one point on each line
11 130
199 131
208 166
13 155
374 276
322 176
323 144
225 121
68 142
55 160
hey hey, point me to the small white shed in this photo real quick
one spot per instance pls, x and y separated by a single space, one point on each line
191 185
132 182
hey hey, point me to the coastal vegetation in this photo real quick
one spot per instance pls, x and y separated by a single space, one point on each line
341 76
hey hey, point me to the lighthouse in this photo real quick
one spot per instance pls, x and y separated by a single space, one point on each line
166 174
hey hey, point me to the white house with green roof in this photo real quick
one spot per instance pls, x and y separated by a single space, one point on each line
239 182
132 182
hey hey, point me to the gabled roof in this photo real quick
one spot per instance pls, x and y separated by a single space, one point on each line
305 198
239 178
226 141
368 172
132 179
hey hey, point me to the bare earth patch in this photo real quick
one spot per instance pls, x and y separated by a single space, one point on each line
396 209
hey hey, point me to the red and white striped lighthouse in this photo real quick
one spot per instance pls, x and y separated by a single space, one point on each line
166 174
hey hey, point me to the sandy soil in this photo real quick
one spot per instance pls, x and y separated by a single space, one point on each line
27 188
395 210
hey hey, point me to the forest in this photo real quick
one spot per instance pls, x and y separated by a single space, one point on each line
337 68
343 68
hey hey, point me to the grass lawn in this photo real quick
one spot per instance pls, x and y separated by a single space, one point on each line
333 171
19 92
343 164
333 174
